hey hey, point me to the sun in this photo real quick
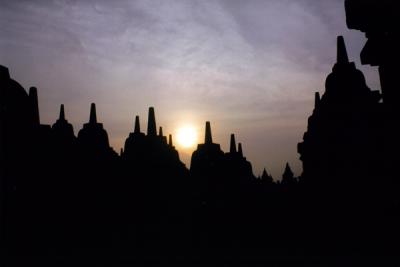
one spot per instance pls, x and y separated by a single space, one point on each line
186 136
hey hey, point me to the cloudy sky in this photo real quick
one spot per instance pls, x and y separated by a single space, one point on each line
250 67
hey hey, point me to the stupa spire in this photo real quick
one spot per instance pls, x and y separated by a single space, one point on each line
137 125
287 166
93 116
233 144
288 170
62 113
151 124
208 136
264 173
170 140
341 56
240 151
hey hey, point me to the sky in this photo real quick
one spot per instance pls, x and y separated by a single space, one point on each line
250 67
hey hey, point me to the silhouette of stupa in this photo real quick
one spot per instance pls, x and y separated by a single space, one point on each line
62 129
161 135
92 138
232 148
341 137
235 163
170 141
150 151
208 156
266 178
135 143
288 176
151 123
43 131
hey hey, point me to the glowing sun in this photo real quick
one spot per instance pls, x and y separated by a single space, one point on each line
186 136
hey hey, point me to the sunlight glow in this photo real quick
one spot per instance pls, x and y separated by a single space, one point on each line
186 136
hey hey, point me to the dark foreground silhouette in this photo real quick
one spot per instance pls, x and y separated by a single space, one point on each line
68 199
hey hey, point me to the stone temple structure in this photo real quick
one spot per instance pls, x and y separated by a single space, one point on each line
208 157
151 150
342 138
93 139
236 164
62 129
